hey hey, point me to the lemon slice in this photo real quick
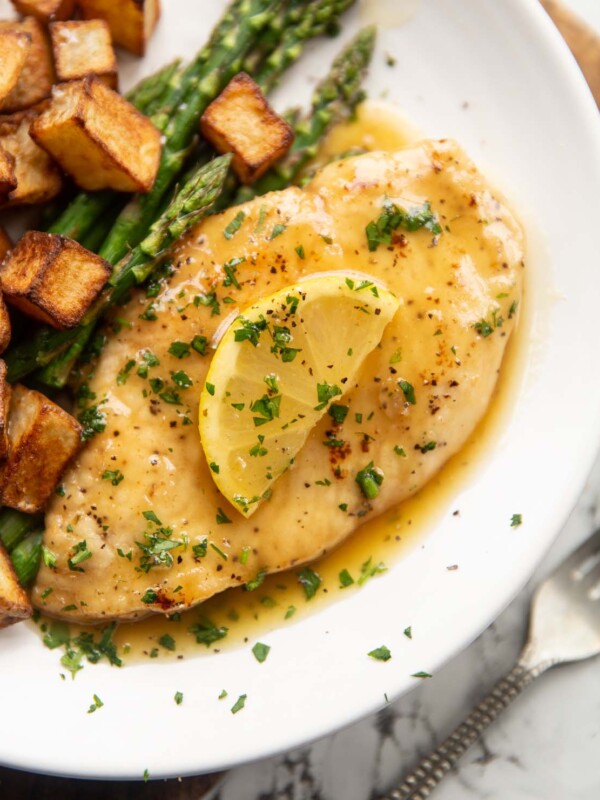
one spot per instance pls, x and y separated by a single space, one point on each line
276 371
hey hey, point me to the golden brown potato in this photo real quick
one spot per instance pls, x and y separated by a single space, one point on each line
45 10
52 278
14 603
8 179
240 121
81 48
131 22
38 178
5 244
42 440
99 138
4 408
14 47
5 332
37 76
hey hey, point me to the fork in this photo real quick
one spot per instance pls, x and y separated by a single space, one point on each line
564 627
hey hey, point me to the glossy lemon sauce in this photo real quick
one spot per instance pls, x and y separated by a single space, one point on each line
280 599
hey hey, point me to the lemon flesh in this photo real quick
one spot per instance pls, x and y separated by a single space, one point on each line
279 366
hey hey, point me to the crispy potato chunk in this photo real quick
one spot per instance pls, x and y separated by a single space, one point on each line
45 10
84 48
5 391
52 278
5 331
37 176
5 244
131 22
14 603
240 121
99 138
14 47
37 75
8 179
42 440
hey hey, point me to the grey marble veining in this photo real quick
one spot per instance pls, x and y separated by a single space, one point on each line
546 747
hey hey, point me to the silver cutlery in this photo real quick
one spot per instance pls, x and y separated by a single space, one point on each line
564 627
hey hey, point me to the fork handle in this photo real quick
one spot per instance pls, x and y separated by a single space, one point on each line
420 783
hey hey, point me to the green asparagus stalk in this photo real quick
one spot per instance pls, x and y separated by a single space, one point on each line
334 100
193 202
316 19
26 557
87 208
14 526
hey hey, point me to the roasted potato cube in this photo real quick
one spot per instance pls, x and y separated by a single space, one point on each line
14 47
99 138
240 121
5 331
5 244
8 179
52 278
45 10
131 22
37 76
14 603
37 176
84 48
4 408
42 440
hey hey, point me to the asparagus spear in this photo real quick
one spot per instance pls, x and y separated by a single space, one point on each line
333 101
316 19
26 557
14 526
193 202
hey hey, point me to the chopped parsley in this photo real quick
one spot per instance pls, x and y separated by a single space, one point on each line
516 520
206 632
277 231
369 570
168 642
230 268
408 391
369 480
179 349
93 422
249 331
381 653
380 231
222 518
181 379
325 393
267 409
239 704
345 579
408 632
124 373
95 705
310 582
260 652
421 675
199 344
233 227
81 553
300 251
257 581
178 697
115 476
338 413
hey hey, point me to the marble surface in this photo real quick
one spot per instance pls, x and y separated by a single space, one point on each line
545 747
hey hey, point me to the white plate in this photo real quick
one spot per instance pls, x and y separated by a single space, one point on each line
532 125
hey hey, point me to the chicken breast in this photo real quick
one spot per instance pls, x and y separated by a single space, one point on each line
142 480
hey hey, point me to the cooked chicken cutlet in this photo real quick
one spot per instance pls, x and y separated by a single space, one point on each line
143 479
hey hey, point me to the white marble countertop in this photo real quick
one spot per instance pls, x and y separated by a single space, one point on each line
545 747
